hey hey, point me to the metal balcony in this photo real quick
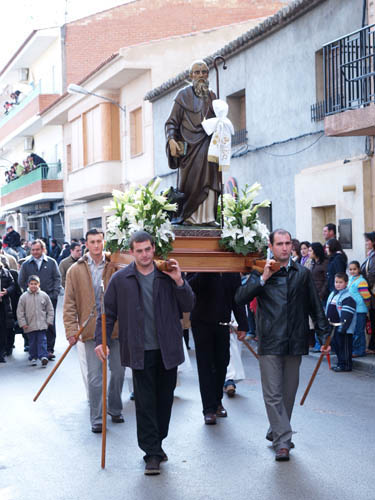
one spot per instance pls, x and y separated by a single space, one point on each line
349 71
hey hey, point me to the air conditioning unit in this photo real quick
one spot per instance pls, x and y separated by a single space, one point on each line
23 75
28 144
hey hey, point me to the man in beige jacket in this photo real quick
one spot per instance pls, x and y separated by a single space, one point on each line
82 293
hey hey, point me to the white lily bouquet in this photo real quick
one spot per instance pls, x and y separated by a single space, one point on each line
140 208
243 233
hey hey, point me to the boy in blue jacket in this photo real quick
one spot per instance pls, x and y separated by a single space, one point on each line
341 308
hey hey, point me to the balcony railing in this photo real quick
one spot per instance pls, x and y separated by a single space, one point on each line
349 71
21 105
317 111
52 171
239 137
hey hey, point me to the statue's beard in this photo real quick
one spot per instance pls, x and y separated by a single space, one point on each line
201 88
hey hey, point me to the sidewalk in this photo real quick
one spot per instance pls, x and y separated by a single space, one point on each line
365 364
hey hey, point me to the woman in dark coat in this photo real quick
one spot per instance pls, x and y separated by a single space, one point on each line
6 315
368 272
337 262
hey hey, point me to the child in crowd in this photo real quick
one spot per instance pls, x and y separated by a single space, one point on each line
34 313
341 308
358 289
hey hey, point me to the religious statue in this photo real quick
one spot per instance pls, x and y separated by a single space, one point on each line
187 149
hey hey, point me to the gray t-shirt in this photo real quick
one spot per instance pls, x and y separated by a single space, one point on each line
147 282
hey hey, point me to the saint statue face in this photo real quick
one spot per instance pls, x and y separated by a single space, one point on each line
199 76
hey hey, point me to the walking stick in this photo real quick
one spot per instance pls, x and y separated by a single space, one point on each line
76 336
326 344
250 349
104 379
220 58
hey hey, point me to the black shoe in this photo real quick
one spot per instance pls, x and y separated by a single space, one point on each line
2 359
8 352
131 397
152 467
338 369
97 428
221 411
282 455
117 419
270 438
164 457
210 419
26 348
51 356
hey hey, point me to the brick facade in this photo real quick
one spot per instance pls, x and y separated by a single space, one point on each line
93 39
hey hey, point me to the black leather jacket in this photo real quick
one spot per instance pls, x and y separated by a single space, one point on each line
284 305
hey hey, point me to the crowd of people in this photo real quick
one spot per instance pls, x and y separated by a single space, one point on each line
330 271
32 162
296 303
21 260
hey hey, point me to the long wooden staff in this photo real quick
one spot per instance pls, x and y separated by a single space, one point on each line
253 352
326 344
76 336
220 58
104 379
250 349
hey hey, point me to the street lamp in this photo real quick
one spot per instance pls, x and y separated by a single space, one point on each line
77 89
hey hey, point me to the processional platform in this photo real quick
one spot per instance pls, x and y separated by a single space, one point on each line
197 249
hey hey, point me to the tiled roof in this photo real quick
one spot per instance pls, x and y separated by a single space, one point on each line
254 35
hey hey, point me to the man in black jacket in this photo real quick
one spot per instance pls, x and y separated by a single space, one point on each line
148 305
6 315
210 326
286 297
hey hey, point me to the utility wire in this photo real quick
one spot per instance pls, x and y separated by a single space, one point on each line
249 148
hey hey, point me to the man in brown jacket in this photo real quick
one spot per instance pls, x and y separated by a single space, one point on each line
82 293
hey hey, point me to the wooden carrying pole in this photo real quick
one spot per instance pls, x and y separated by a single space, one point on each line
76 336
326 344
104 379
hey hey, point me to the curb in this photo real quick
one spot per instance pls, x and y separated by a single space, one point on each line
365 364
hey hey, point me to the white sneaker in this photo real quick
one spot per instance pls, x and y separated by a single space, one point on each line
33 362
44 362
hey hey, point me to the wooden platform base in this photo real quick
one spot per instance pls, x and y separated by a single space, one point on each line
201 254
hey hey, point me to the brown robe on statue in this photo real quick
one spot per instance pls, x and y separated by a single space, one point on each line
197 175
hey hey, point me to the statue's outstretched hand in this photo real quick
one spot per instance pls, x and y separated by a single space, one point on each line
174 148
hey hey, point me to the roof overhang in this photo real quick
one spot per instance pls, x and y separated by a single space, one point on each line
32 48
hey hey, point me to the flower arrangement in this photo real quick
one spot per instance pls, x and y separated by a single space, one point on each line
243 232
140 208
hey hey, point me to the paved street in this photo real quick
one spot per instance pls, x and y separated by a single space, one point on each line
47 450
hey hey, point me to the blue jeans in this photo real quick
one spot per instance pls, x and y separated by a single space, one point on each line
38 344
359 337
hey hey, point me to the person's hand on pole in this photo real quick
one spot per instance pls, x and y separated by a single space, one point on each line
175 274
72 340
267 272
99 351
325 349
241 335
